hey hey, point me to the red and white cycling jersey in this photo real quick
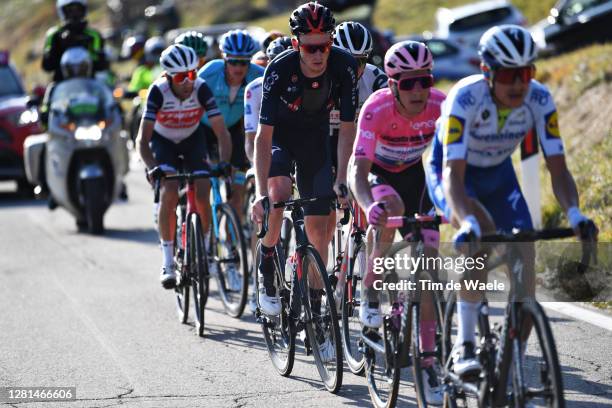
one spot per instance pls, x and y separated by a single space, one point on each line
177 119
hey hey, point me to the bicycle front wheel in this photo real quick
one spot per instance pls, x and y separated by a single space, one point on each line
198 270
278 331
321 319
537 377
229 252
351 326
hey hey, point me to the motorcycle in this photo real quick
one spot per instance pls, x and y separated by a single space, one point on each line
83 158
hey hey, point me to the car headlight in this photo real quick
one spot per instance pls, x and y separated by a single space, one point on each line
28 117
88 133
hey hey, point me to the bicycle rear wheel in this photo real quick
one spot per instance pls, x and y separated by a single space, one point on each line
182 289
229 252
198 270
351 326
278 331
321 325
541 380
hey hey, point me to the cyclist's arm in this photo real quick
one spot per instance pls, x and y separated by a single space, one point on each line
263 157
223 136
358 181
249 145
346 138
563 183
453 178
348 106
145 132
252 106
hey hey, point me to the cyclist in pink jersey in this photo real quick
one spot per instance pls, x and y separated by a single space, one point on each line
395 127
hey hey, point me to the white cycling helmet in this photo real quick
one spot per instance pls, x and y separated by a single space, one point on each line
507 46
178 58
354 38
60 4
76 62
407 56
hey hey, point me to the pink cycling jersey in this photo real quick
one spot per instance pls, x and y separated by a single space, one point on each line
390 140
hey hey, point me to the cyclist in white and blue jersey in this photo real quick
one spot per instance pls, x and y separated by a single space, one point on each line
470 174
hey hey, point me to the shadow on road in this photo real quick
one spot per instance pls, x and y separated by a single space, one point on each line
135 234
14 199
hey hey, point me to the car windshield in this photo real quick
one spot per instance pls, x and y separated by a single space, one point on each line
82 98
487 18
9 84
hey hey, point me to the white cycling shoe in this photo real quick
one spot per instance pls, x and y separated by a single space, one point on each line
269 305
370 316
168 277
431 386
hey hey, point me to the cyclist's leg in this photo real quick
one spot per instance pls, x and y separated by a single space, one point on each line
509 210
193 150
314 179
239 163
333 149
279 189
166 156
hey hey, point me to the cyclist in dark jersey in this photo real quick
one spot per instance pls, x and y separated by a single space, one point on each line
300 87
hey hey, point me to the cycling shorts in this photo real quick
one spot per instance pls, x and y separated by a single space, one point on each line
313 174
496 188
408 185
238 159
192 150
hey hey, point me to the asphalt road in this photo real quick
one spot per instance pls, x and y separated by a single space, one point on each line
89 312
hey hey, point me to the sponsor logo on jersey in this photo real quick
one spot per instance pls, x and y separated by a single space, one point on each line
359 151
420 125
485 114
454 130
367 134
179 119
466 100
249 94
539 96
270 80
552 126
368 116
247 109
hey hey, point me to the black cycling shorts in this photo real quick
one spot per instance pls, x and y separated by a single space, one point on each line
313 171
238 159
408 184
192 150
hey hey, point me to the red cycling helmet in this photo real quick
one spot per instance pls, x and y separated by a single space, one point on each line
311 17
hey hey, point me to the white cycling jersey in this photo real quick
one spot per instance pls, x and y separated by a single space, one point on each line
252 104
372 80
469 126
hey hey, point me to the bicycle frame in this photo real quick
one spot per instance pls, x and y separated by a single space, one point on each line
215 184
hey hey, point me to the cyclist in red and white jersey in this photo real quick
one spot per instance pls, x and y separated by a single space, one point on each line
394 128
169 130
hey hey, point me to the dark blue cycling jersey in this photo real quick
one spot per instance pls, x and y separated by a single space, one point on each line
290 98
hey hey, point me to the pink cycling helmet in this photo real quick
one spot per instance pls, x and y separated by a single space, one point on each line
407 56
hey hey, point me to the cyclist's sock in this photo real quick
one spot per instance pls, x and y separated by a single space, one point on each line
428 339
467 314
266 268
167 253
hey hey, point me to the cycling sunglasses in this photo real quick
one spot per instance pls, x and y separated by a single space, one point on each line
408 84
183 76
507 76
313 48
240 62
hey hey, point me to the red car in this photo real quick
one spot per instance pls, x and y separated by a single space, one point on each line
18 120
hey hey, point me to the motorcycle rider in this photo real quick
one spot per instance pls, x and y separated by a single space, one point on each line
73 32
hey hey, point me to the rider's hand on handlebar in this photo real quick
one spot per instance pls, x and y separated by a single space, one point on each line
257 209
376 214
341 191
225 168
156 173
469 232
585 229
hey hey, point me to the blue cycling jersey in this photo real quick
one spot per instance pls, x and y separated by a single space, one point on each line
214 75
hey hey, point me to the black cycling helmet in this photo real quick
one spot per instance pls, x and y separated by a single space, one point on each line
277 46
311 18
194 40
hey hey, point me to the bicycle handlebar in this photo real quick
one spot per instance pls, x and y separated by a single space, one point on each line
402 221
